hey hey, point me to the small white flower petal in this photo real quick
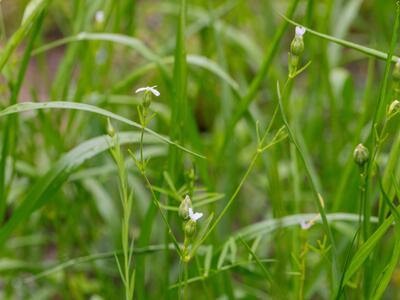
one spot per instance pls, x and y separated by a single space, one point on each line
154 91
300 30
139 90
305 225
194 216
99 16
148 89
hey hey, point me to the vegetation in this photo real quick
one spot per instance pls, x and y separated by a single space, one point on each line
205 149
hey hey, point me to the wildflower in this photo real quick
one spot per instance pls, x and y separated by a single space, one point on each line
184 208
306 225
394 108
396 71
190 226
194 216
300 30
297 45
186 212
296 50
361 155
99 17
110 128
148 89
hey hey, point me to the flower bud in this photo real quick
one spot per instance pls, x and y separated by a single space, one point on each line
297 45
360 155
394 108
110 128
99 19
396 71
146 100
190 228
184 208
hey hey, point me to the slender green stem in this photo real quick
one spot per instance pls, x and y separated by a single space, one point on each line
366 50
317 195
256 155
126 202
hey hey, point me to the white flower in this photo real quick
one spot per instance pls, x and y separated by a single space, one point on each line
99 17
300 30
148 89
305 225
194 216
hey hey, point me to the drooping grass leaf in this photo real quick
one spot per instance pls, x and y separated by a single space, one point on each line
28 106
43 190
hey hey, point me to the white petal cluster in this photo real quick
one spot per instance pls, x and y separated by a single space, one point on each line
194 216
300 30
305 225
148 89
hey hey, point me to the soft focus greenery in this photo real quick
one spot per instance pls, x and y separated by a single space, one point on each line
257 129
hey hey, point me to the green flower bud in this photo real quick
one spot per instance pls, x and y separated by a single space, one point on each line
297 45
190 228
396 71
184 208
394 108
110 128
99 19
146 100
360 155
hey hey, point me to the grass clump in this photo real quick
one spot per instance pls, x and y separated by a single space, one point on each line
199 149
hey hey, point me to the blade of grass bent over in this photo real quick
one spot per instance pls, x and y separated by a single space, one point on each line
317 195
43 190
28 106
366 50
33 11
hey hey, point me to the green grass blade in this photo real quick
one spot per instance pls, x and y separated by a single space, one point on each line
366 50
32 12
29 106
43 190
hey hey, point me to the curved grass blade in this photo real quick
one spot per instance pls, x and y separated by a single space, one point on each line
387 272
139 46
131 42
194 60
28 106
366 50
93 257
32 11
214 272
313 182
43 190
267 226
366 249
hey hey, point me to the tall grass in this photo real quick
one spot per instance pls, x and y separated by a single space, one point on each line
259 136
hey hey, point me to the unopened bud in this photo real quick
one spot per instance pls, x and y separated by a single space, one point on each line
394 108
190 228
99 17
110 128
396 71
184 208
297 44
147 100
360 155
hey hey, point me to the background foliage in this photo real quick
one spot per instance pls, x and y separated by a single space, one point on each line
216 64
